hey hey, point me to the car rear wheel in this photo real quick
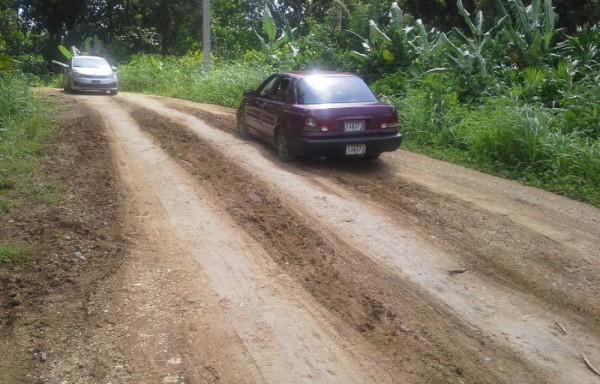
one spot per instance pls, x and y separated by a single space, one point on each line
114 92
242 128
283 149
373 156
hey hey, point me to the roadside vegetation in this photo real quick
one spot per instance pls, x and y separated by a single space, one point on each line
24 128
501 86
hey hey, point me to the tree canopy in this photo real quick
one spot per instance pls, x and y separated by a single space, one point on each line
174 27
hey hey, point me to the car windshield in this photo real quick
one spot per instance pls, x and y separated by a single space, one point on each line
324 89
90 62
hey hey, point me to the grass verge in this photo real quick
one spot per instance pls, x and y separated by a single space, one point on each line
504 136
24 127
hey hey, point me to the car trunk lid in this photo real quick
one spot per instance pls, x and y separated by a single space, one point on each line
352 118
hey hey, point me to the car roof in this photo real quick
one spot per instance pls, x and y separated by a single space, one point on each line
88 57
303 74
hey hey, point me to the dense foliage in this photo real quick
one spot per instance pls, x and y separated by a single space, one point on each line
503 86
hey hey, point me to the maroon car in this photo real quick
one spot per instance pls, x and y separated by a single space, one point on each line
319 114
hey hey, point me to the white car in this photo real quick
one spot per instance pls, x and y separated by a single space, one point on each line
90 73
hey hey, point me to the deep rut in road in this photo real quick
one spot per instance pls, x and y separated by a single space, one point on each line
564 271
533 331
286 336
564 274
392 313
242 269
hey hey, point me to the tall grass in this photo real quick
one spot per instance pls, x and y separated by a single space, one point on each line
24 126
504 135
185 78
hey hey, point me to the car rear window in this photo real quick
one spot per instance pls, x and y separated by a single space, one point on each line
333 89
87 62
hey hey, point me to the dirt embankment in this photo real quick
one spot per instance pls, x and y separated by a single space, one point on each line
76 244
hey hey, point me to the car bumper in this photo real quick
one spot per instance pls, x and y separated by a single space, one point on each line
336 146
89 84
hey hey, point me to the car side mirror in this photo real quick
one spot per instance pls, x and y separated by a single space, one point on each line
249 93
115 69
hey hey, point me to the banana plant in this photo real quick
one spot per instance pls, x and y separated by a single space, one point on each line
272 44
404 41
411 38
531 31
468 57
377 41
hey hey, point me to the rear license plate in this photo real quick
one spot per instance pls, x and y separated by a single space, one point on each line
95 81
356 149
354 126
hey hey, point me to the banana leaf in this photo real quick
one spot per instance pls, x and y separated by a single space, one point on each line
397 17
359 56
269 26
263 44
66 53
377 35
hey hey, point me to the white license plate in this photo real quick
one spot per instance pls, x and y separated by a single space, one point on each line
356 149
354 126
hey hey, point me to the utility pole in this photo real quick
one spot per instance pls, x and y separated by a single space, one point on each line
206 33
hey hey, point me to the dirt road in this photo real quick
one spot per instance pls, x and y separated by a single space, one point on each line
238 268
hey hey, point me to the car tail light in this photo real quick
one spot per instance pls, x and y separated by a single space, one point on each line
390 123
312 125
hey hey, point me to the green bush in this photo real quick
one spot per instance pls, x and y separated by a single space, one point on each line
508 135
430 111
581 107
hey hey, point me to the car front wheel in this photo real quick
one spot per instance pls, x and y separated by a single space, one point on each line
283 149
67 85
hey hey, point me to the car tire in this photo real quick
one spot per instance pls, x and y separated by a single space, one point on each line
68 86
242 128
114 93
283 148
373 156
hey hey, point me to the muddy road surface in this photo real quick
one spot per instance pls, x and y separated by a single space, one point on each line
237 268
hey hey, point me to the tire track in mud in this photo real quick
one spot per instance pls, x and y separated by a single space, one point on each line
489 243
398 317
511 325
289 338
